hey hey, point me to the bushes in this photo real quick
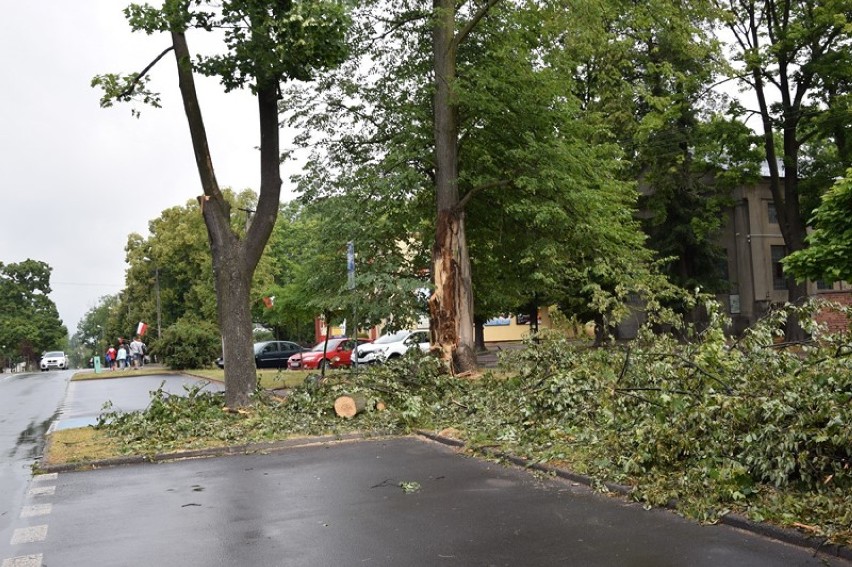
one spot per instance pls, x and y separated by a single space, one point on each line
189 344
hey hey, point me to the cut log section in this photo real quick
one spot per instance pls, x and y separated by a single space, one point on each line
350 405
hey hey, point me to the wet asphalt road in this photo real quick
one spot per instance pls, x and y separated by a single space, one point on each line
85 399
28 405
333 504
31 404
342 504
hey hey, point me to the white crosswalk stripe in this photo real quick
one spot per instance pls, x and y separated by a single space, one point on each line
46 476
36 510
24 561
29 535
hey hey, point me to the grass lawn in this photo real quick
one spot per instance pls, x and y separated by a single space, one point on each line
270 378
80 444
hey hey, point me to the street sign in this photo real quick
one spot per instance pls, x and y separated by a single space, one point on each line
350 264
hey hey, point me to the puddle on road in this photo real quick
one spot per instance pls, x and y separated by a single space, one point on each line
34 437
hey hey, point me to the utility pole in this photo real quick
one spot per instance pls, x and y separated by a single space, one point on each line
157 291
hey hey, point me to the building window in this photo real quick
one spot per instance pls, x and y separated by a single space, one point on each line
822 286
779 281
771 212
723 266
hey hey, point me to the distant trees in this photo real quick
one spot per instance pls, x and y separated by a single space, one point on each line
29 320
101 326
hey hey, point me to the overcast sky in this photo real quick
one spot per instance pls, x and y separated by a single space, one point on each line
75 179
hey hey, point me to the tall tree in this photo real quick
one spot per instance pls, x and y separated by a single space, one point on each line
451 305
796 58
29 320
645 69
266 42
534 185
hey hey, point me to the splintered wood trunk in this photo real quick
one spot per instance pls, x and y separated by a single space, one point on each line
451 305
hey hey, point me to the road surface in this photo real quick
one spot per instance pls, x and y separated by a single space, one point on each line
383 502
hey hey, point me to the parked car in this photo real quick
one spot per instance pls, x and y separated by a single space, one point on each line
54 359
270 354
393 345
338 354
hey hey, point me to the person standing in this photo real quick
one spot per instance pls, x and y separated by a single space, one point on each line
137 351
122 356
110 356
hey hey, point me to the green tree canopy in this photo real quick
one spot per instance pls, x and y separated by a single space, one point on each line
795 59
29 320
828 256
540 179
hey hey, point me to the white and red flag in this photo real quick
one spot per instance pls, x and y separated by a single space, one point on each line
141 328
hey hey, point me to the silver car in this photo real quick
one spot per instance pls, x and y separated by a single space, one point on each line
54 359
393 345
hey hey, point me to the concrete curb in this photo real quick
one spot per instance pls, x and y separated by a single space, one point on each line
785 535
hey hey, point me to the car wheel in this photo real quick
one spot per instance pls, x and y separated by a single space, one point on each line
325 364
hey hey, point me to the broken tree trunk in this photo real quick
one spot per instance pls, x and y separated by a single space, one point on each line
350 405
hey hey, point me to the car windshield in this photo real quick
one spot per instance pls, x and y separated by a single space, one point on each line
332 344
54 354
391 338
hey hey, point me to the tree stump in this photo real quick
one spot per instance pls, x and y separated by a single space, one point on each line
350 405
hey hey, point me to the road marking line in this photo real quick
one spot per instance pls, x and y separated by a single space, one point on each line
36 510
23 561
29 535
46 476
42 491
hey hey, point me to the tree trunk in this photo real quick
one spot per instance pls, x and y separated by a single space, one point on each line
451 305
600 329
349 406
479 334
785 190
234 261
233 284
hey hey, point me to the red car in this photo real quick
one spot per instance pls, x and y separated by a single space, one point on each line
338 354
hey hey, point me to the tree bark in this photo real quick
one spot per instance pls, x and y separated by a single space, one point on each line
234 261
451 305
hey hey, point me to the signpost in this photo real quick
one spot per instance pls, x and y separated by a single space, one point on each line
350 274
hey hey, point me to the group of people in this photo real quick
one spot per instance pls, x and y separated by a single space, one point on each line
126 355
